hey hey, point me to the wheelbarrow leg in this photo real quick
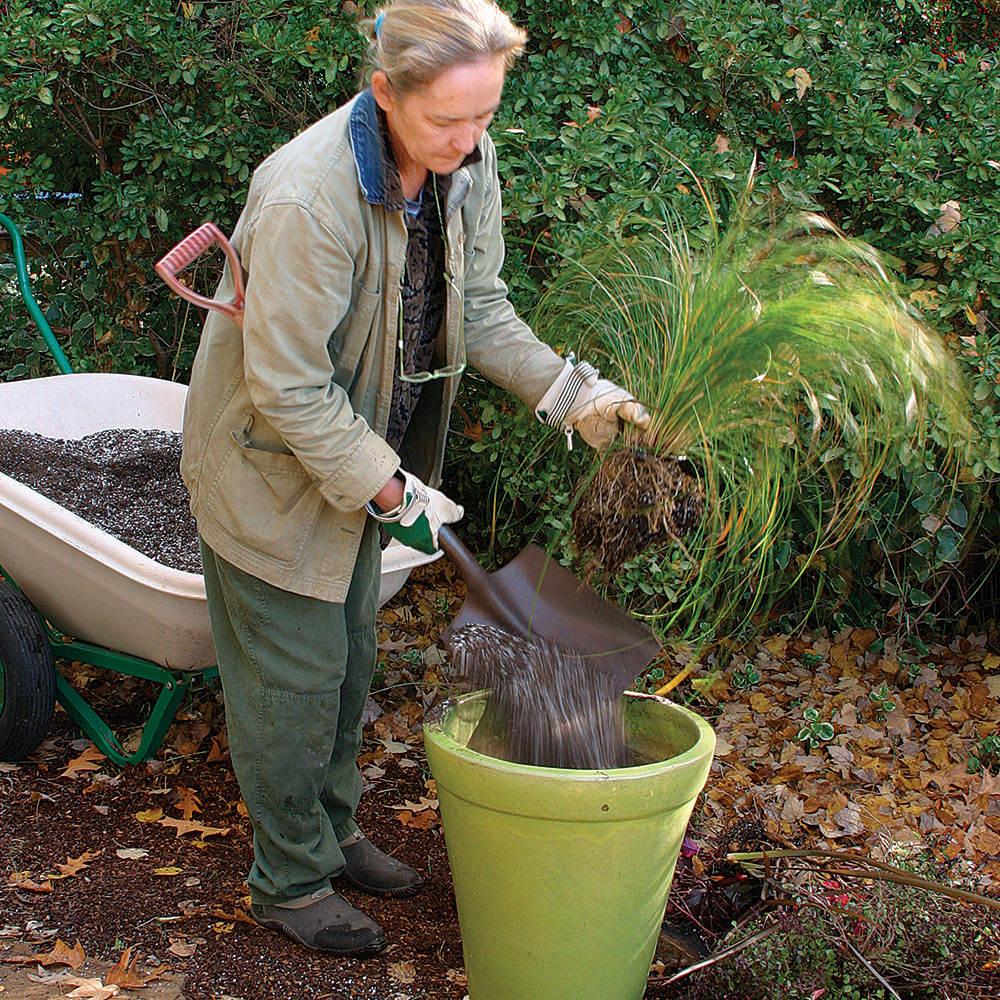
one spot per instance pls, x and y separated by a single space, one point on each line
173 686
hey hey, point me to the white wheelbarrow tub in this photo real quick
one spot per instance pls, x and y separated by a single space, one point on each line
88 584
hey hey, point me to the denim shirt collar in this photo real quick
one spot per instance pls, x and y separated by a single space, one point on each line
366 144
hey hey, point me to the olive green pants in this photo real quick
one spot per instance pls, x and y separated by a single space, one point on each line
295 673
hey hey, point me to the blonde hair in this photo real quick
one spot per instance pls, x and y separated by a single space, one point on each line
414 41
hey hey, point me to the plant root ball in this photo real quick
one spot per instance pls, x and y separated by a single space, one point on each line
636 500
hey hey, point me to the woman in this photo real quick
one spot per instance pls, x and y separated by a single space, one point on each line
372 248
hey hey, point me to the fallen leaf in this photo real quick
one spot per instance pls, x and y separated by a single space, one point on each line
90 760
74 866
402 972
26 884
182 948
125 974
188 803
90 989
418 821
721 144
185 826
149 815
132 853
237 916
61 954
424 803
167 871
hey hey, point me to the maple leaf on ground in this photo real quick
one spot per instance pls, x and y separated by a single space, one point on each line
90 760
124 973
183 826
61 954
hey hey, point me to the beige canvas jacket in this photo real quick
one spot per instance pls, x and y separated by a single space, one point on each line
284 424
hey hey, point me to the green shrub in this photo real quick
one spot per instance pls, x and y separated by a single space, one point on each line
154 116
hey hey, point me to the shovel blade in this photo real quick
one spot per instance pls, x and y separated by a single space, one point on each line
534 596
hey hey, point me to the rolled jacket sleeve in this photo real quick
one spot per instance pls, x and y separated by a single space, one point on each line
299 288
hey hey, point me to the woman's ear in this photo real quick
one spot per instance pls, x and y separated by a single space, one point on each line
382 90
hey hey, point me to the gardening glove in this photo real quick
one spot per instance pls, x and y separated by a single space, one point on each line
418 518
581 400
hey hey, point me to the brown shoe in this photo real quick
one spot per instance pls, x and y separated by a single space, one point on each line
325 922
374 872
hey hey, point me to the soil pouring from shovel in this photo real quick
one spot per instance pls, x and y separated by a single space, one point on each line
531 630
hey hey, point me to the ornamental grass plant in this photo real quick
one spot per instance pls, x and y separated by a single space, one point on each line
785 375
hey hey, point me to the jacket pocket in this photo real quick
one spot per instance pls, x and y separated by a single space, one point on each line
266 500
349 340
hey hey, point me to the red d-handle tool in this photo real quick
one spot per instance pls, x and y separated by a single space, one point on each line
189 250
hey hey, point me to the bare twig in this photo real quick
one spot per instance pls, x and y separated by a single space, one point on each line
864 961
884 872
719 956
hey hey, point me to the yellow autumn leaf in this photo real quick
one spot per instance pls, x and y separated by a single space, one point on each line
149 815
970 315
169 870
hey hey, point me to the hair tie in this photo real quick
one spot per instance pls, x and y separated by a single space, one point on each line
378 23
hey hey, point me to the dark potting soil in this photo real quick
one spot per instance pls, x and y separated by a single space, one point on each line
549 706
124 481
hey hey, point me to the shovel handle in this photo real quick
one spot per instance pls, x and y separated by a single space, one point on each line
466 563
189 250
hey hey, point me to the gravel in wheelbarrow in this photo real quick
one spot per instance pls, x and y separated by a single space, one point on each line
124 481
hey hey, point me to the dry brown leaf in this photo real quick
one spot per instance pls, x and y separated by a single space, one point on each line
74 866
90 760
424 820
237 916
90 989
185 826
188 803
125 974
61 954
183 948
402 972
22 882
424 803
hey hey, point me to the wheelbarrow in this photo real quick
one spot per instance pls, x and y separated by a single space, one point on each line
69 590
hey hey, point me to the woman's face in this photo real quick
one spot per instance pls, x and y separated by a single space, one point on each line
436 127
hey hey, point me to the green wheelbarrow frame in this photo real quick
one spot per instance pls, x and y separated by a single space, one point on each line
172 684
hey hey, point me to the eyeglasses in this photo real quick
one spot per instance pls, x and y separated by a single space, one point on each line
449 371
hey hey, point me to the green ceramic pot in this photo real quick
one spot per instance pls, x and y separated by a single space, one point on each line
561 876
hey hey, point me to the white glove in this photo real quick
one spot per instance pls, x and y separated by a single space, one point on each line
581 400
418 518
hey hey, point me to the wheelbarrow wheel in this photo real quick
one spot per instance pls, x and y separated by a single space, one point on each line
27 676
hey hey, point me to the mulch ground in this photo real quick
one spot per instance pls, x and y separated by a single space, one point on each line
153 857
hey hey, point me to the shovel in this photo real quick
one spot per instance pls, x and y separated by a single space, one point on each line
534 596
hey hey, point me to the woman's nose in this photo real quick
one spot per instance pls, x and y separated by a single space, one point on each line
468 137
